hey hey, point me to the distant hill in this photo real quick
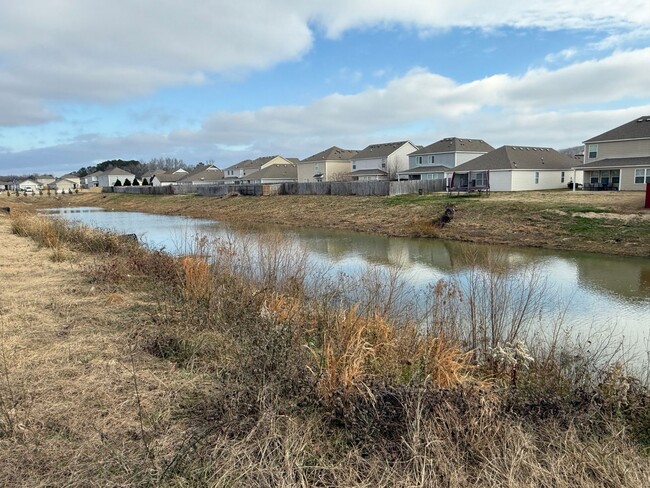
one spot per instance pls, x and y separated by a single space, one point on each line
572 151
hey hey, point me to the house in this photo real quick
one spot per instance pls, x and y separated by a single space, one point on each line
28 185
45 180
274 173
91 180
203 175
513 168
381 161
332 164
111 176
431 162
63 185
73 178
6 185
169 178
237 172
618 159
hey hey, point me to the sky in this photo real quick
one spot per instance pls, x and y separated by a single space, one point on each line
84 81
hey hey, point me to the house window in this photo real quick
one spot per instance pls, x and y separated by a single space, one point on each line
432 159
562 177
383 165
479 179
354 166
593 151
418 160
642 175
536 177
615 177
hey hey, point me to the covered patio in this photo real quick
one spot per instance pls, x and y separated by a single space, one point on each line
601 180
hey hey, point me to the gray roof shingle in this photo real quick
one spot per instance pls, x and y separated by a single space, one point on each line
616 163
638 128
454 144
379 150
519 157
332 154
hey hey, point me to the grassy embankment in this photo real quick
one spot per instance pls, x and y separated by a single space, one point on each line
235 371
605 222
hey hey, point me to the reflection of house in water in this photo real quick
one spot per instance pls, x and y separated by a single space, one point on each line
623 277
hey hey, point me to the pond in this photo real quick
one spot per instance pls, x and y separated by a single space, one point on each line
598 291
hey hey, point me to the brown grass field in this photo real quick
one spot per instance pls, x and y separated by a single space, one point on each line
605 222
120 367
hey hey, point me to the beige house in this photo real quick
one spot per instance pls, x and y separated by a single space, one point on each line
618 159
381 161
274 173
332 164
514 168
63 185
238 173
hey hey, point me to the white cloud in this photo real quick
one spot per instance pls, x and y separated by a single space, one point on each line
421 96
104 51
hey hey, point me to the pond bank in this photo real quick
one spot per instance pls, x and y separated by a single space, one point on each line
605 222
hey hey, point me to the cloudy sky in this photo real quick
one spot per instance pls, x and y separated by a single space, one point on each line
82 81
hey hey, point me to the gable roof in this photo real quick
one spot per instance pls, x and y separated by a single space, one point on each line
638 128
518 157
275 172
117 171
380 150
454 144
205 173
332 154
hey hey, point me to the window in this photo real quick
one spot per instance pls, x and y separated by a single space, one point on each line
432 159
642 175
354 166
615 177
383 165
593 151
562 177
418 160
480 179
536 177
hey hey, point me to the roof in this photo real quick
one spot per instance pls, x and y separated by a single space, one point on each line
170 177
380 150
96 173
117 171
332 154
519 157
368 172
638 128
275 172
454 144
426 169
210 173
616 163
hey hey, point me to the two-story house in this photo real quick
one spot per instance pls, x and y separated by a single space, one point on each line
381 161
619 159
332 164
237 173
431 162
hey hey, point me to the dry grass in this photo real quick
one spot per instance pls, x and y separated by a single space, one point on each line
256 380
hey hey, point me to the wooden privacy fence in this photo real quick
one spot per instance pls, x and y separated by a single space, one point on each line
343 188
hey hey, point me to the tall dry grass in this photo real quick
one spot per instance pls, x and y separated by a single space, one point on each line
297 384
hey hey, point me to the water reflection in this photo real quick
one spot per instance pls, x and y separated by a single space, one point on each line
600 290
